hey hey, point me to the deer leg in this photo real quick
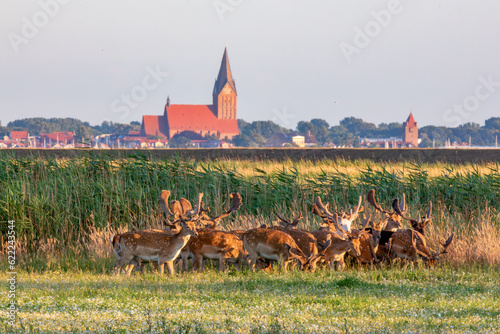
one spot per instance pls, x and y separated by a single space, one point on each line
252 259
222 263
170 267
184 257
198 260
119 264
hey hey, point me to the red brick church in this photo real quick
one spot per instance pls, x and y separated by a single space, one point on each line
218 118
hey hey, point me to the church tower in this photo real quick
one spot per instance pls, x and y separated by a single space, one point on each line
224 94
411 131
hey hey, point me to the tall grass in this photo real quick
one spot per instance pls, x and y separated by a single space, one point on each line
64 203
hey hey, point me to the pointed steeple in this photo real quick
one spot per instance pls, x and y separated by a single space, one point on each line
225 76
411 121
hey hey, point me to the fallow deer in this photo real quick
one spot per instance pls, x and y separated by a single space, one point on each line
340 244
219 245
408 243
383 230
210 224
305 240
273 245
154 246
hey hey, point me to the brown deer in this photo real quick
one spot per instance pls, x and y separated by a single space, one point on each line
210 225
340 244
305 240
219 245
408 243
383 230
273 245
153 246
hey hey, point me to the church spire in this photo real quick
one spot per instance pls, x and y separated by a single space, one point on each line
225 76
224 94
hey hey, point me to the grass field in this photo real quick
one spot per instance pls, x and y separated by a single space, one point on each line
444 300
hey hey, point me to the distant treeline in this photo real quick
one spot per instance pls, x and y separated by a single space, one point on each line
255 134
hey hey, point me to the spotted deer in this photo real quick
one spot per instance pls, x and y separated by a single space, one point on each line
305 240
383 230
340 243
408 243
203 247
219 245
273 245
153 246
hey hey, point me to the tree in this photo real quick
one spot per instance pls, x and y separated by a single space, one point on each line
179 141
322 132
83 132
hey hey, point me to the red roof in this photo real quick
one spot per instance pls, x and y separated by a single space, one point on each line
185 117
410 122
19 135
62 136
133 133
154 126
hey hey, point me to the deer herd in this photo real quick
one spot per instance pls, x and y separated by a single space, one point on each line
192 233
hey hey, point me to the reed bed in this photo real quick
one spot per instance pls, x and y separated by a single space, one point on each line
69 208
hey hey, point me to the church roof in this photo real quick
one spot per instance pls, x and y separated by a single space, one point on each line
410 122
187 117
154 126
225 75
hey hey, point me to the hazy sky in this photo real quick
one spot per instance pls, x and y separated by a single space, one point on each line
292 60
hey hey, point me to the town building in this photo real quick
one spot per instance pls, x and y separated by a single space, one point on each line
410 134
218 118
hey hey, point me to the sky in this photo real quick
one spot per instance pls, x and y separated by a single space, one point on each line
117 60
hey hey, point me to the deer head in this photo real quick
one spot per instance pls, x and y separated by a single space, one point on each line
419 224
344 219
392 218
431 259
286 224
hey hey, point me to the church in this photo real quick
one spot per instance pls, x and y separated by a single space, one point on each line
218 118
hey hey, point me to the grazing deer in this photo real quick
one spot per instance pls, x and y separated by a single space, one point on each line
273 245
223 246
408 243
210 224
383 230
305 240
153 246
344 219
340 244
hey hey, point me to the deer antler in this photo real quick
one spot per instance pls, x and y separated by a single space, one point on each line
359 208
163 201
446 245
366 222
287 224
371 199
198 209
235 205
418 251
323 209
